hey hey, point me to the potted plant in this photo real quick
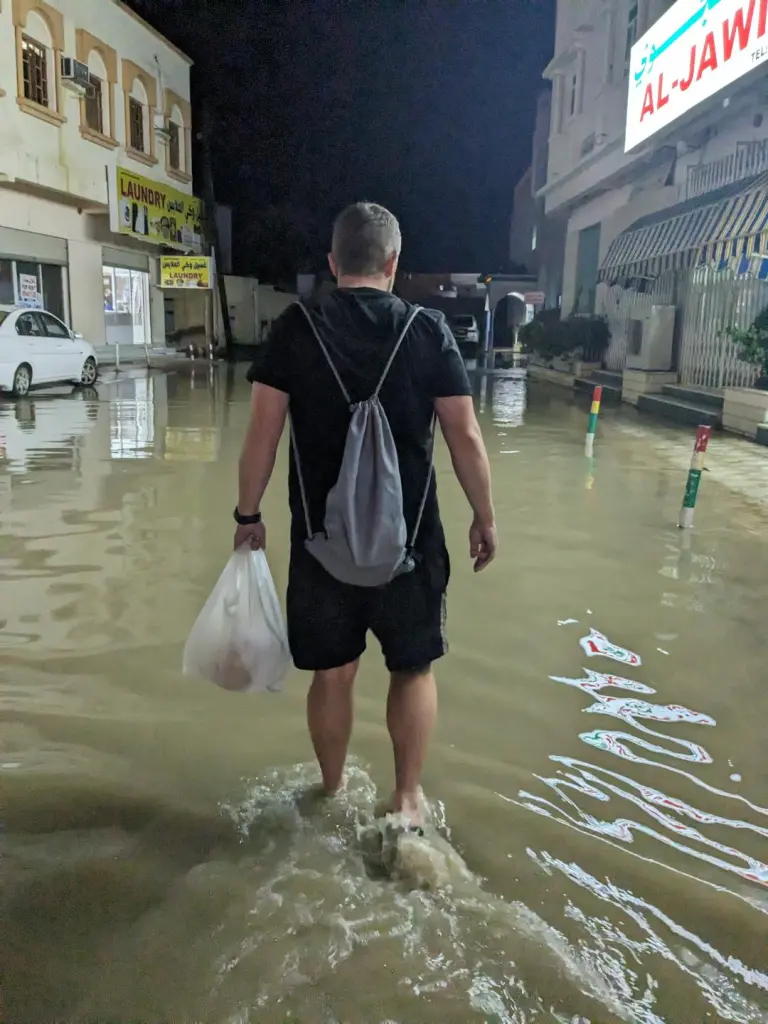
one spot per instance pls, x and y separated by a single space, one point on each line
753 346
590 337
746 409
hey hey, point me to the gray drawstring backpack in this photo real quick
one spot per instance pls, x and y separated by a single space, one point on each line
364 540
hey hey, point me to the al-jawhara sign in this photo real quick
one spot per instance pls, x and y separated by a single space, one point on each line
697 48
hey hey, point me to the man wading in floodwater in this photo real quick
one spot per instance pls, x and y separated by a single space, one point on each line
319 366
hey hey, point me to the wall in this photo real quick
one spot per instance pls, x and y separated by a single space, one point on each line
251 303
190 308
615 211
271 303
59 157
524 220
86 299
83 234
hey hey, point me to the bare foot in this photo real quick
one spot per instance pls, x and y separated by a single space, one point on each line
410 806
313 797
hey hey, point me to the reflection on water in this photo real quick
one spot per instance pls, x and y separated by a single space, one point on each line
163 856
132 418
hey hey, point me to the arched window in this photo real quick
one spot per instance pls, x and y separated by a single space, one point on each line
97 107
138 118
38 63
176 141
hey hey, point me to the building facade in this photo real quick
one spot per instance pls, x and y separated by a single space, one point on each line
95 166
658 153
537 239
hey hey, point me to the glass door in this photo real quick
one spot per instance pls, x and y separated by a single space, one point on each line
140 307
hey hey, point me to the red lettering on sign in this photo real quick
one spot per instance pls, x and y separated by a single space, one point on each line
686 83
661 99
738 28
762 24
648 105
708 56
142 194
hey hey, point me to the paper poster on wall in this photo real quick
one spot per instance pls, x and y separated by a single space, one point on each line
29 297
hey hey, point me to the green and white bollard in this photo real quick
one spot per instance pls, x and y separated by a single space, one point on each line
703 435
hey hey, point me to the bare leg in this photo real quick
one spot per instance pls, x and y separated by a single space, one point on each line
329 714
411 714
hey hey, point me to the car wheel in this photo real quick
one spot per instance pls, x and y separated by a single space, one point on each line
22 380
89 372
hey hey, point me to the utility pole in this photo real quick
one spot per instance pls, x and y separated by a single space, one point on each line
212 229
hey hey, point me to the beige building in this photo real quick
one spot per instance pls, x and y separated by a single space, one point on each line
658 165
95 166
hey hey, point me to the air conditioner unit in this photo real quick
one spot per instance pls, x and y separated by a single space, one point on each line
651 337
74 74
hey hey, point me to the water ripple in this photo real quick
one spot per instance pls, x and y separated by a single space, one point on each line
668 820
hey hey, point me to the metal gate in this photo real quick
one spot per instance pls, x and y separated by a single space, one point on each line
711 300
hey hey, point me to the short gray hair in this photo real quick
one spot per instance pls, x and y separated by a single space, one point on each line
365 236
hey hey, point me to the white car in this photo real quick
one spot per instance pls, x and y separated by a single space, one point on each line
36 348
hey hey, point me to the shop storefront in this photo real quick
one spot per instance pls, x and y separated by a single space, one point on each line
126 278
33 272
156 218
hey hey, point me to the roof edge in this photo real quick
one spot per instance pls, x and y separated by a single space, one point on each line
155 32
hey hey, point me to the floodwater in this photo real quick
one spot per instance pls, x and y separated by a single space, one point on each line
600 763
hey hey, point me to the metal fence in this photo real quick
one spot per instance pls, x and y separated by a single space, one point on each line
710 301
748 159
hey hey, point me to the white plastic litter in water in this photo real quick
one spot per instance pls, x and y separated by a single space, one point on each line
662 651
735 777
596 645
567 622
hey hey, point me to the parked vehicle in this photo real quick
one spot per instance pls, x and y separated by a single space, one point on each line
36 349
465 329
467 335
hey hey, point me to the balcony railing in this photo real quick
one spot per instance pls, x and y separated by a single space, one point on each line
748 159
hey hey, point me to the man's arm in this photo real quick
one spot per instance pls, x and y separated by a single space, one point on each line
470 462
269 408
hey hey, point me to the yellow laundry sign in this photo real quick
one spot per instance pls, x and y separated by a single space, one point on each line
185 272
151 211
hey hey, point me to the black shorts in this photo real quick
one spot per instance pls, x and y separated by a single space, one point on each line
328 621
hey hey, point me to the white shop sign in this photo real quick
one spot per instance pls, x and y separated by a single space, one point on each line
697 48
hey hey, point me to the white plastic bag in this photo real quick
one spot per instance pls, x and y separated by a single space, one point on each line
239 640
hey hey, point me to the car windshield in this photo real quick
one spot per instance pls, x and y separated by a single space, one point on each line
464 321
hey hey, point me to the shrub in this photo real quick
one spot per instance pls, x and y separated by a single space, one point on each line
549 336
753 345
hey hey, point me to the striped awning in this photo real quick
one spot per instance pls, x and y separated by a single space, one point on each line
730 223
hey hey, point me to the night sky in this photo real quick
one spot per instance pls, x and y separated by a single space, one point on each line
426 106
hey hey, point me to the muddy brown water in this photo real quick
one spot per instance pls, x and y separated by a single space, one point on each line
607 790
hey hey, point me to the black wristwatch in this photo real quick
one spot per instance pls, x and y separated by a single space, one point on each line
247 520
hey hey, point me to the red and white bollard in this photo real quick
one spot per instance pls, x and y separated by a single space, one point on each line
703 435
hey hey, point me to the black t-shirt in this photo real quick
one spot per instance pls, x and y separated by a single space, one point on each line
360 327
